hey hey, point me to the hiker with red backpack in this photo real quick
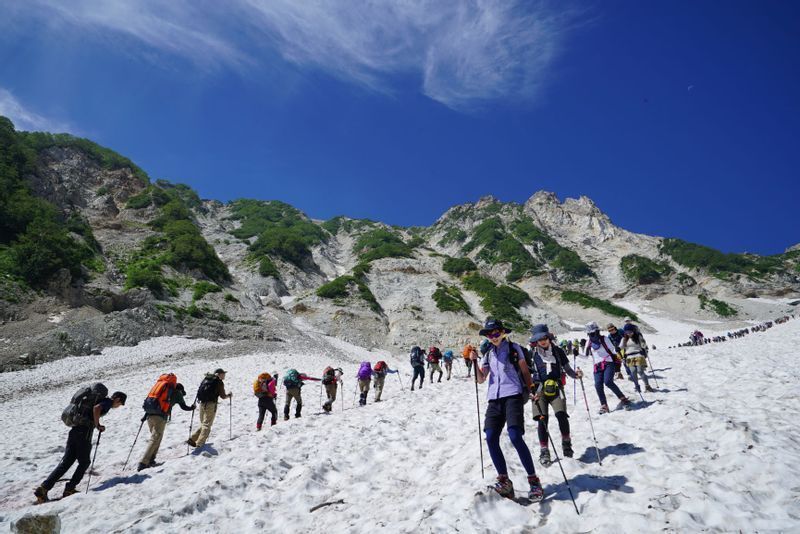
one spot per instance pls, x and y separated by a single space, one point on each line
331 378
434 355
264 388
379 373
211 389
510 387
293 382
603 352
166 393
82 415
417 358
364 376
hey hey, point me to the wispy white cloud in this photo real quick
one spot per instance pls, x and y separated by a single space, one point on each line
463 52
26 119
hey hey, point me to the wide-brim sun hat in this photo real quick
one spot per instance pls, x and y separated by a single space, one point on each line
592 327
493 324
539 331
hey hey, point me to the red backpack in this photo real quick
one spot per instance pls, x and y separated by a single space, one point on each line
380 366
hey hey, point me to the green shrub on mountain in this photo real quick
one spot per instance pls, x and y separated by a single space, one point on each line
381 243
458 266
499 301
588 301
641 270
559 257
449 298
720 264
500 247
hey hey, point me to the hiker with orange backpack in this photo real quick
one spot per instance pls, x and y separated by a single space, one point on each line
466 353
166 393
379 373
264 389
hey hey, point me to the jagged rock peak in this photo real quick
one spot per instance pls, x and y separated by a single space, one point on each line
793 248
486 201
543 197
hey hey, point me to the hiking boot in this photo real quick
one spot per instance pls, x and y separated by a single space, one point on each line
412 387
41 495
625 402
440 379
191 442
535 493
504 487
376 400
566 446
286 417
141 466
618 376
69 491
603 409
258 427
544 457
297 416
649 389
273 422
153 463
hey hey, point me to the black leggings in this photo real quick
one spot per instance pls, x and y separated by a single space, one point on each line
264 404
419 371
563 426
79 447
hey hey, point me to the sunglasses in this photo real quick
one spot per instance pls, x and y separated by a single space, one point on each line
494 334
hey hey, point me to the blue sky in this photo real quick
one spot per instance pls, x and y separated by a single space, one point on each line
677 118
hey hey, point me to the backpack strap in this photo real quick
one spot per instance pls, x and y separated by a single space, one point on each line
603 342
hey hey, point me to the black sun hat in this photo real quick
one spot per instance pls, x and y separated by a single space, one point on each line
493 324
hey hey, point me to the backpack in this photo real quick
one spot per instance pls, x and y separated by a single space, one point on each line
207 392
380 366
158 400
260 385
448 356
365 371
328 375
514 358
292 379
79 410
434 355
416 357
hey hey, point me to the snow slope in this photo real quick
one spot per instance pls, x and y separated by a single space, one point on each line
715 450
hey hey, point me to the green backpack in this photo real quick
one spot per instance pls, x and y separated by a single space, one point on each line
292 379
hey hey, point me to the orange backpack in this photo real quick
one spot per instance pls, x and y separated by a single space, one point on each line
467 351
160 393
260 385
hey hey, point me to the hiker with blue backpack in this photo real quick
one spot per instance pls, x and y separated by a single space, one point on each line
603 352
448 362
293 382
550 364
418 365
364 377
510 387
379 373
82 415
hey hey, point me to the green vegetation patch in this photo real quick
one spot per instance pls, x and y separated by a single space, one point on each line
449 298
346 285
721 308
203 288
641 270
559 257
588 301
348 225
499 301
720 264
381 243
459 266
453 235
499 247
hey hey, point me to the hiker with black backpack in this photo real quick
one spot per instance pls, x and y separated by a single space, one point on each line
82 415
293 382
603 352
166 393
379 373
264 389
434 355
418 364
211 389
331 378
510 387
550 363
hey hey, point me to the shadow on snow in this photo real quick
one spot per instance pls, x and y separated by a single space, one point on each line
620 449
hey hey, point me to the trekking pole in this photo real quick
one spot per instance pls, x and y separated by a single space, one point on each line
320 393
96 446
341 395
134 443
574 385
558 459
191 422
478 408
230 419
647 355
355 390
401 381
591 425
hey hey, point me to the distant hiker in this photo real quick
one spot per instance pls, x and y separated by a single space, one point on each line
379 373
211 389
634 348
364 376
293 382
550 362
448 362
434 355
583 343
575 348
330 379
82 415
264 388
466 353
418 364
166 393
508 392
616 338
602 350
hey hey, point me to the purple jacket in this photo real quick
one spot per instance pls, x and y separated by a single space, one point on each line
504 381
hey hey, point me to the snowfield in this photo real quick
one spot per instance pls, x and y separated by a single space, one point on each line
715 450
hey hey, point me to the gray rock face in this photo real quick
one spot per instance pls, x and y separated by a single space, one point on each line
37 524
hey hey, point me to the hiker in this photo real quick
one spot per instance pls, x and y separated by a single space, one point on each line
83 416
509 389
293 382
264 388
467 355
550 362
364 376
448 363
575 348
211 389
380 371
418 364
434 355
330 380
634 349
616 337
166 393
601 348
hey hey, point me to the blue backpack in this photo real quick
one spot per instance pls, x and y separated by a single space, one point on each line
292 379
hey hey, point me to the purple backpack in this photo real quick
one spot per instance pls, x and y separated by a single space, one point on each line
365 371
